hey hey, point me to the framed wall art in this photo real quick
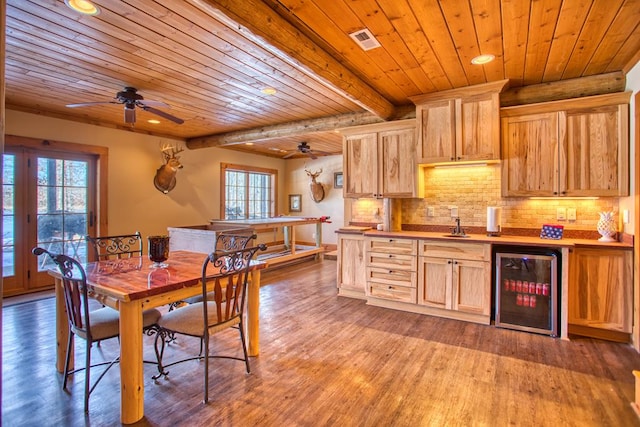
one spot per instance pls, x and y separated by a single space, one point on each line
337 180
295 203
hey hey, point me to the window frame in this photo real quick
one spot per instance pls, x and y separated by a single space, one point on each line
273 173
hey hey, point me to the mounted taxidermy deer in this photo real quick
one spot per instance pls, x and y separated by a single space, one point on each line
165 178
317 190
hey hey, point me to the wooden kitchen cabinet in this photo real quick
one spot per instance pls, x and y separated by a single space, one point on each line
576 147
352 273
456 278
391 269
379 161
601 290
459 125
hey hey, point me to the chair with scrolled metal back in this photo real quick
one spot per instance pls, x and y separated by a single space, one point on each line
225 275
90 325
224 242
115 247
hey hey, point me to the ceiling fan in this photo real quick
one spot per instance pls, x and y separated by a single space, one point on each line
131 99
304 148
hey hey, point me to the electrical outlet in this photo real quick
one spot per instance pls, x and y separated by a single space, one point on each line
431 211
571 214
561 214
454 211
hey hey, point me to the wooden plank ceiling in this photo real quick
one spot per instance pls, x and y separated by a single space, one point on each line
209 60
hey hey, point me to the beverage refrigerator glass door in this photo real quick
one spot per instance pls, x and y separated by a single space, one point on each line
527 289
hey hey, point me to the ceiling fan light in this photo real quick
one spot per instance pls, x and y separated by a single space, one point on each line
129 114
83 6
483 59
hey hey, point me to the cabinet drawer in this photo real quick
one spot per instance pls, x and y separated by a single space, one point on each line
392 277
393 292
457 250
392 246
392 261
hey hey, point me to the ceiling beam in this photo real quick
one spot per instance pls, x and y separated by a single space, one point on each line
598 84
299 128
262 25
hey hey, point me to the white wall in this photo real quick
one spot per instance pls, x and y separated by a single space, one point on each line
133 201
633 84
333 203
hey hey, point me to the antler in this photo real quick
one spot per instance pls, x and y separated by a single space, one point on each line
313 175
169 147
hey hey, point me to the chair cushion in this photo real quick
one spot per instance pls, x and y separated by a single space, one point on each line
188 320
105 322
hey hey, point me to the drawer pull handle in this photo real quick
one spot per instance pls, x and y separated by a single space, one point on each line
390 287
390 271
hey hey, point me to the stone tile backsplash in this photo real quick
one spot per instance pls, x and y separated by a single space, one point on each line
471 189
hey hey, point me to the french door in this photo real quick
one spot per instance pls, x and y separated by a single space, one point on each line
48 201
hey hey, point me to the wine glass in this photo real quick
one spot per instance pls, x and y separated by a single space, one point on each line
159 251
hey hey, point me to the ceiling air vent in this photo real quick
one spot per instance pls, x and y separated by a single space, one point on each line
365 39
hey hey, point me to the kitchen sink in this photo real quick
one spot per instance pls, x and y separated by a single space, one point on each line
461 236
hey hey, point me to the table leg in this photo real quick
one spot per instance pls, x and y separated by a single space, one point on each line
253 314
62 329
131 369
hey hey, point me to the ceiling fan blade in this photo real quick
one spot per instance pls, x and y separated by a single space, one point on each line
147 102
162 114
88 104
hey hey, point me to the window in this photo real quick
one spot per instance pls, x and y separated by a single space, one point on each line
247 192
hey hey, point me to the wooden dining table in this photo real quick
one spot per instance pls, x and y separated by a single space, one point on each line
131 286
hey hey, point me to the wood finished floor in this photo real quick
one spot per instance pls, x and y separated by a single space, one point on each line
334 361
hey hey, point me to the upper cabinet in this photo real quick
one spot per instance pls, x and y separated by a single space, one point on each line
576 147
459 125
379 161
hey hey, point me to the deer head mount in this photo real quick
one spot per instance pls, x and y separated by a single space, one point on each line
165 179
317 190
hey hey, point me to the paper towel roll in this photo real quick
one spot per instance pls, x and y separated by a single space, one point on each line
493 219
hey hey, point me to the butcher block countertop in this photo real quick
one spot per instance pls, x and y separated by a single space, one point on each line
483 238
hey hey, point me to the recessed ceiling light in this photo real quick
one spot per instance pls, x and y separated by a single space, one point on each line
83 6
154 121
269 91
248 143
483 59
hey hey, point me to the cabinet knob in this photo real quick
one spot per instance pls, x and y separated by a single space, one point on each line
390 256
449 262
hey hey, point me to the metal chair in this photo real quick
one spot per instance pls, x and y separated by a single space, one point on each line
219 310
115 247
224 242
91 325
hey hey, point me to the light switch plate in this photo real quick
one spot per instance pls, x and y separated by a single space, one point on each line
625 216
454 211
561 214
431 211
571 214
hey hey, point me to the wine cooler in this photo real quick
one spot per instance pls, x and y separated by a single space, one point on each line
527 289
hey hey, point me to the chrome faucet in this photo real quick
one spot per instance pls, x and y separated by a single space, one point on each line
457 230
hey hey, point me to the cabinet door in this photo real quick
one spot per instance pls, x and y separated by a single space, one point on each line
434 282
360 154
478 128
352 273
601 289
397 170
436 132
597 163
472 286
530 157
